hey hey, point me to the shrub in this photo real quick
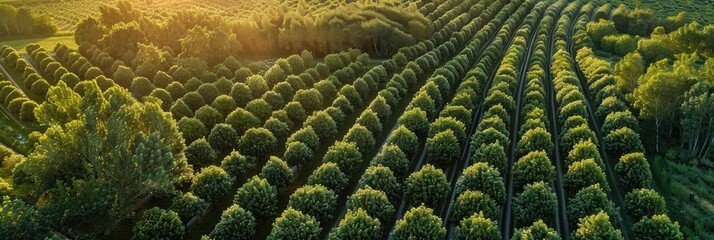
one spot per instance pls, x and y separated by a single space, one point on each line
533 167
382 179
345 155
644 202
157 223
236 223
589 201
209 116
361 137
211 184
193 100
224 104
188 206
485 178
258 197
191 129
223 137
279 129
375 202
537 139
448 123
369 119
419 223
443 149
257 142
297 153
307 136
314 200
330 176
583 174
492 154
427 186
295 112
470 202
634 171
416 121
241 93
597 226
392 157
324 126
477 227
623 141
242 120
357 225
538 230
236 164
405 139
140 86
260 108
199 153
657 227
310 99
277 172
294 225
537 201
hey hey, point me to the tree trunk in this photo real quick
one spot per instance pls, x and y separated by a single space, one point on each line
658 123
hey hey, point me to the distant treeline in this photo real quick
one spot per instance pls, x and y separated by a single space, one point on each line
374 27
23 22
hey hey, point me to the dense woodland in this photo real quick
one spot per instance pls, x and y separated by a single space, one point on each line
362 119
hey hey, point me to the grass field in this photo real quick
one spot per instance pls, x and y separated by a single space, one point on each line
48 43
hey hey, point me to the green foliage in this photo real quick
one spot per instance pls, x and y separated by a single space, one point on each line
307 136
260 108
277 172
485 178
597 226
294 225
477 226
330 176
424 102
536 202
345 154
258 197
157 223
188 206
419 223
415 120
257 142
405 139
223 138
634 171
200 154
211 184
582 174
310 99
324 126
644 202
538 230
392 157
375 202
314 200
357 225
531 168
493 154
427 186
443 149
622 141
224 104
279 129
236 223
589 201
242 120
473 202
295 112
297 153
21 221
382 179
236 164
103 138
362 137
536 139
657 227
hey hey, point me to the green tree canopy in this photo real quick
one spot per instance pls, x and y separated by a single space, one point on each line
236 223
419 223
157 223
88 141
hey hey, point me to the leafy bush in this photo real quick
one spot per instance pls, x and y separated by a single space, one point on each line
211 184
188 206
277 172
314 200
236 223
258 197
427 186
157 223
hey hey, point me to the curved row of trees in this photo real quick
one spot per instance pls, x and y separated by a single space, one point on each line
586 187
609 88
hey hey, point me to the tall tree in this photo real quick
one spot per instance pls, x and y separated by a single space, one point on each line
91 139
